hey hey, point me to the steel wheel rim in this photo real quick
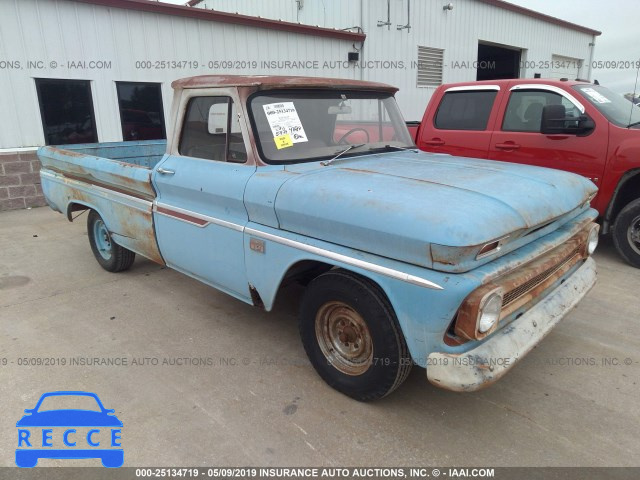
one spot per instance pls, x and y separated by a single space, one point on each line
633 234
344 338
102 238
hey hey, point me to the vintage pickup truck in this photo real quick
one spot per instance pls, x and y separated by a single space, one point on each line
460 266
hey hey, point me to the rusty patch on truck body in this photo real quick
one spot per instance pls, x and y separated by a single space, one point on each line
521 286
84 176
261 82
134 225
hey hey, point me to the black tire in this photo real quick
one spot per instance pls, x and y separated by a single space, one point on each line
626 233
114 259
380 365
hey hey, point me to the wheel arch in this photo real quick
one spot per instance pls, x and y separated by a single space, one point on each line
421 327
80 205
627 190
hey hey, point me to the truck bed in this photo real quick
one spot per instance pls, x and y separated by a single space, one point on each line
122 166
145 153
113 179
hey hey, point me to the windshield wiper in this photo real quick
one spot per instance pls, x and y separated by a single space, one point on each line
350 147
414 149
633 124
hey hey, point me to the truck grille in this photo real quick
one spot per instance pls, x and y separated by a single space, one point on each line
522 286
512 295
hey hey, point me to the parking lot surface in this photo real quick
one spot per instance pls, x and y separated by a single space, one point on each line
199 378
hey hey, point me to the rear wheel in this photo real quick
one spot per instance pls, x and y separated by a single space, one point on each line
626 233
352 336
111 256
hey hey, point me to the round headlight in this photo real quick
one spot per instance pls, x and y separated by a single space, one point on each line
592 240
490 313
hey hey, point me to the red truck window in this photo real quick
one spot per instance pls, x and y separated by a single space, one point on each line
524 110
465 110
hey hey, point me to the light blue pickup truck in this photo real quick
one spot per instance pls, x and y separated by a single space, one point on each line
457 265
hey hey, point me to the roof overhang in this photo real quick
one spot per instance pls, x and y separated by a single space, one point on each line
225 17
273 82
540 16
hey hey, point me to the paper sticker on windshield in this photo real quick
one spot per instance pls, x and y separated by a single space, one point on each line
283 120
283 141
596 96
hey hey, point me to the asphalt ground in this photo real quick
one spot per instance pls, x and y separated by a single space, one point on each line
204 379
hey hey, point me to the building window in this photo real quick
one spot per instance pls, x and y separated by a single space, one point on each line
211 130
465 110
67 111
141 112
430 64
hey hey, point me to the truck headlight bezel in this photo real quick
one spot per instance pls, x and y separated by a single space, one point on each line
592 239
489 312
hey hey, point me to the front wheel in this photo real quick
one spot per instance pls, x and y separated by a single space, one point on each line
352 337
111 256
626 233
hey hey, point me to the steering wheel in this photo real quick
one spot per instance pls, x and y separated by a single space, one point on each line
353 130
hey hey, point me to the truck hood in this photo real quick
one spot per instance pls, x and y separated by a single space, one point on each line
402 205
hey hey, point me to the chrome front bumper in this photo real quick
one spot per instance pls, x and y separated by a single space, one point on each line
483 365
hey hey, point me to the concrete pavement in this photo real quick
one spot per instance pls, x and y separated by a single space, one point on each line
217 382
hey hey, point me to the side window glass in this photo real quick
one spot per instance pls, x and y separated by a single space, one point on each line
465 110
211 130
524 109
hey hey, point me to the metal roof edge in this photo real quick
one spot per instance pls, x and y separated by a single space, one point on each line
540 16
225 17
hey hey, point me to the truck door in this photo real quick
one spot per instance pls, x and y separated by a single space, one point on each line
199 212
461 122
517 137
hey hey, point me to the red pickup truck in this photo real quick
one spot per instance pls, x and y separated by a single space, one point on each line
568 125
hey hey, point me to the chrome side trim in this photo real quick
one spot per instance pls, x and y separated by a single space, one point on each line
89 187
372 267
550 88
472 88
117 196
206 218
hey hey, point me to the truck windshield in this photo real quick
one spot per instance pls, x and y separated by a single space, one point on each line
307 125
615 107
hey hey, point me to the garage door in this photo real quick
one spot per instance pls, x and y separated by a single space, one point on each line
565 67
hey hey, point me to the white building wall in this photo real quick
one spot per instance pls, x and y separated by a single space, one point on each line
62 31
457 31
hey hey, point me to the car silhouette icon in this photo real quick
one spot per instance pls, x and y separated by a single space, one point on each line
102 426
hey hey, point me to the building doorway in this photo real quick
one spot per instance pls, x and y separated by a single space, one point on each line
497 62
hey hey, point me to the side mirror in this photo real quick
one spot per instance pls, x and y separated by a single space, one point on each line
585 125
553 118
555 121
218 118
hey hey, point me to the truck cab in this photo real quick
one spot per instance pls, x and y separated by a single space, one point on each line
574 126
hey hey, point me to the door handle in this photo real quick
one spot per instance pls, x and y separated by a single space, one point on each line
163 171
434 142
507 146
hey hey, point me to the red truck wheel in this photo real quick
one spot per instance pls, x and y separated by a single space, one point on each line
352 336
626 233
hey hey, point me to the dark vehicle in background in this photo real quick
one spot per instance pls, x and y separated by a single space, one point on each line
139 125
568 125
